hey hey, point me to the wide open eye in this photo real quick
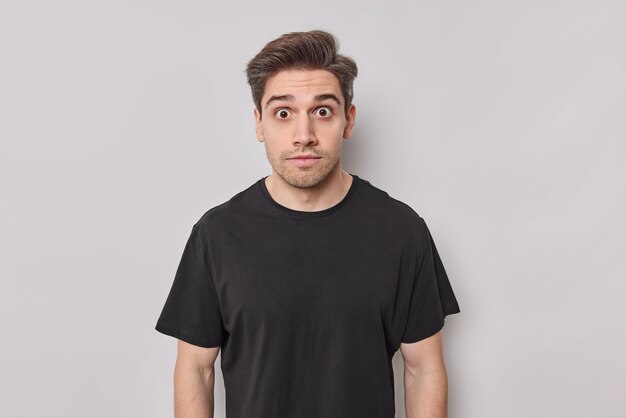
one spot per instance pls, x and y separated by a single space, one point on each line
282 113
324 111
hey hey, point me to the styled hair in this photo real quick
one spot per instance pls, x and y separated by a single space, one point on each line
313 50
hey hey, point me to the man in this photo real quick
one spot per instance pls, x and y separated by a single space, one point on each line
312 278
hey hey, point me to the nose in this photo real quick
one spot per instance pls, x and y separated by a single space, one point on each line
304 133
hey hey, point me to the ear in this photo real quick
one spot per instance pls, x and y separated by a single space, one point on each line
257 123
350 118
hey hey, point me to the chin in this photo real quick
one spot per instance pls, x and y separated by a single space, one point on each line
304 180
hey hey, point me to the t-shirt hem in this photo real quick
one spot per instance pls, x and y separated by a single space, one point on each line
425 332
186 336
430 329
451 309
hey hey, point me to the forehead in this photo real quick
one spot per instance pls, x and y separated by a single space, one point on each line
302 84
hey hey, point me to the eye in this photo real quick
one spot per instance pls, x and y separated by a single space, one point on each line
282 113
324 111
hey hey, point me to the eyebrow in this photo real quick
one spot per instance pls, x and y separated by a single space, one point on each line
290 98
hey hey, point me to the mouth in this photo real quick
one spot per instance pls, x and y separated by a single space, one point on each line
306 161
303 156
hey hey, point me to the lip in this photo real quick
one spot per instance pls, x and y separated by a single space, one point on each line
304 156
304 160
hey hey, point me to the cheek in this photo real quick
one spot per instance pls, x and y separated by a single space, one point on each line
332 128
273 129
273 149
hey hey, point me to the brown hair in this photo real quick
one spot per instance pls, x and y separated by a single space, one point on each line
313 50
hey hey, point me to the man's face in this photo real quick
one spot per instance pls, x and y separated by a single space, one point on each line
303 114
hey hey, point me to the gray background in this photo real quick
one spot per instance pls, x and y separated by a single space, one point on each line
500 122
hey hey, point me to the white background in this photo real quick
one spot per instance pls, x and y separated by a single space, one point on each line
502 123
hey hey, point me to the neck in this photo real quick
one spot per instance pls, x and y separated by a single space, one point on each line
313 199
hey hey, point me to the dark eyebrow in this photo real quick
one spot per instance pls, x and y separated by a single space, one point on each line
323 97
290 98
283 98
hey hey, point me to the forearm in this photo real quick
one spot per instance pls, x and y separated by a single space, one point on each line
193 392
426 392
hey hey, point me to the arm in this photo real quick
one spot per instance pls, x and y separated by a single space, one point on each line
194 378
425 379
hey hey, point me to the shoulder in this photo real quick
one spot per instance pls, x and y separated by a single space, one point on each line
392 209
228 211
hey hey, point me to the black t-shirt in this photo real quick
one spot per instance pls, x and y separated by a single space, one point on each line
308 307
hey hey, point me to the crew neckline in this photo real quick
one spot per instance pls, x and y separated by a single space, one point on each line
310 214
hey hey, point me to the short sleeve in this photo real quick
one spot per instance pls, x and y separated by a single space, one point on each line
192 311
432 297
